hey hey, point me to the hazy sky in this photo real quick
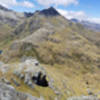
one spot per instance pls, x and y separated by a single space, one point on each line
80 9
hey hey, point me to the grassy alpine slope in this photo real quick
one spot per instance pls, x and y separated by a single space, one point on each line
67 51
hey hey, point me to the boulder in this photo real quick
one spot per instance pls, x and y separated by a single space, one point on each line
30 71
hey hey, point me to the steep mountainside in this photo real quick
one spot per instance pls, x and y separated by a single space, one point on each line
68 52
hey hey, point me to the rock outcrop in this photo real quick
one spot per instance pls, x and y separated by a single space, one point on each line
31 72
8 92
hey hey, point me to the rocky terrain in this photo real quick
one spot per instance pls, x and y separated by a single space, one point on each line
28 71
8 92
44 56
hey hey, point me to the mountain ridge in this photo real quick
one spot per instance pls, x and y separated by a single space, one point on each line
50 57
50 12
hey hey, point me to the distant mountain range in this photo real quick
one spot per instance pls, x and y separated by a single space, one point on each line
12 18
87 24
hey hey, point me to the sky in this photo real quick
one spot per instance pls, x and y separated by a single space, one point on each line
88 10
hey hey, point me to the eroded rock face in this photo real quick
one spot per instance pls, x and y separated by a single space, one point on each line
7 92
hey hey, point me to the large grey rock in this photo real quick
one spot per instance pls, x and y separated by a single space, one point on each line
7 92
30 71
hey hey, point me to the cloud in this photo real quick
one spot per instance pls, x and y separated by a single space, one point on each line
9 3
80 15
27 4
72 14
95 20
57 2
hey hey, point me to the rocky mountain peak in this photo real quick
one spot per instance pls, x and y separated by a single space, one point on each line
50 12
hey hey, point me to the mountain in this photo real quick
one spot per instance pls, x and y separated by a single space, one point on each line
44 18
51 58
9 17
49 12
8 21
89 25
